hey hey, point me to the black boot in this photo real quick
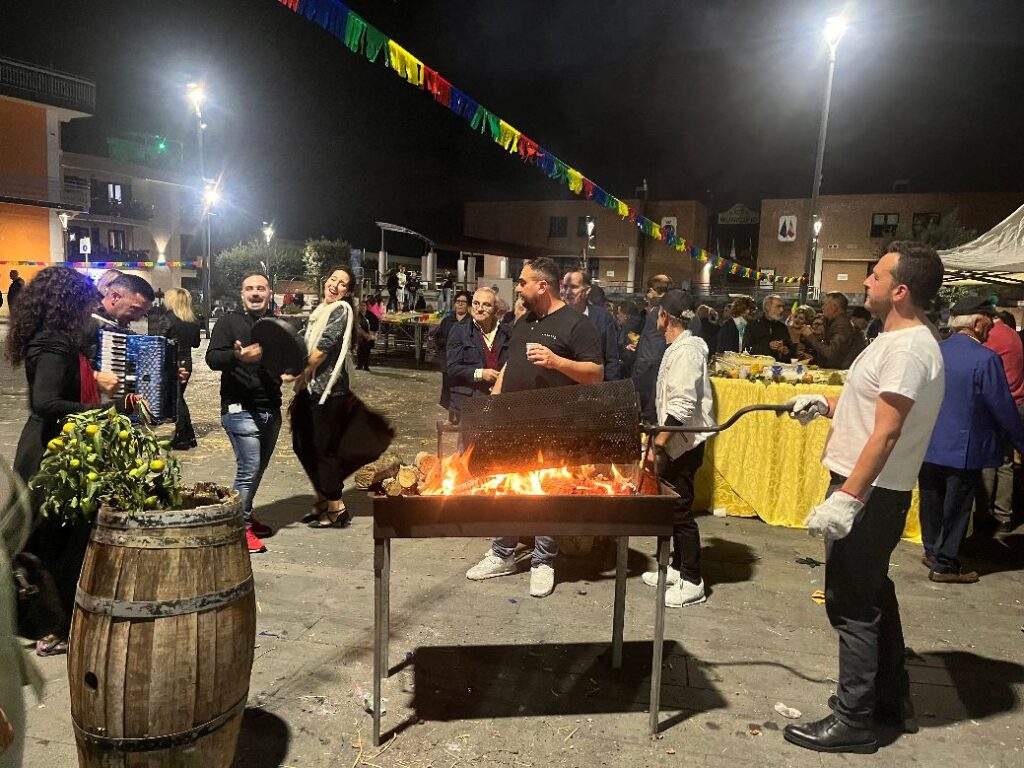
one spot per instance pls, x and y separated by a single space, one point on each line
830 734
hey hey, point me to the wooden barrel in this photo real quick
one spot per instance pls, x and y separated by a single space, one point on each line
162 637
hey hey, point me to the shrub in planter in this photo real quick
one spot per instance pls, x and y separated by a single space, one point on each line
102 457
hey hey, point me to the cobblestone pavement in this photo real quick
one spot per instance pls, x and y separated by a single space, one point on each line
491 677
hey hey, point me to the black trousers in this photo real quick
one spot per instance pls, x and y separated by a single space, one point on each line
183 430
679 474
947 497
363 353
860 600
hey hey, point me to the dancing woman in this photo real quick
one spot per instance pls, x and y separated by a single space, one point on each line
321 407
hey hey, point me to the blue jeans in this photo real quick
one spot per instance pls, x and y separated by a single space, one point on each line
544 549
253 435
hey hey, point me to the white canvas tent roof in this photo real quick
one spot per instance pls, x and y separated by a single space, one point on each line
995 257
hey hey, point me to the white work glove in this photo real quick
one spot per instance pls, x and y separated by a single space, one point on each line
834 517
806 408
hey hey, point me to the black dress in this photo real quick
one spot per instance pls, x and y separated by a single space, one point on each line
186 335
54 392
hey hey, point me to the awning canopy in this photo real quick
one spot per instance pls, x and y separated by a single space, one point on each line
1000 251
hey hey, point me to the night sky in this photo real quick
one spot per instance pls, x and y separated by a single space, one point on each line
718 101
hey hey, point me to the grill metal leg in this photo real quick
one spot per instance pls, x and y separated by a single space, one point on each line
619 616
381 577
386 628
659 633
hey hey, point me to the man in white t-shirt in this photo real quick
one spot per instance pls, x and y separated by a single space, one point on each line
881 425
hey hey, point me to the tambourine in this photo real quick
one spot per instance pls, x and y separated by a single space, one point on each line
284 349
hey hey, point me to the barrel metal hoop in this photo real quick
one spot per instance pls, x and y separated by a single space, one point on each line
158 609
189 518
141 539
154 743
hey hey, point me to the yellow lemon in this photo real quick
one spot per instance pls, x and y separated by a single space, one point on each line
156 465
68 428
123 434
75 463
93 476
151 501
92 429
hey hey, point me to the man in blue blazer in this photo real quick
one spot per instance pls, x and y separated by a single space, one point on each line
476 350
576 293
976 412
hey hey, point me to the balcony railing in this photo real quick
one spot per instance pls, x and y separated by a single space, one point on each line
101 253
45 191
46 86
129 209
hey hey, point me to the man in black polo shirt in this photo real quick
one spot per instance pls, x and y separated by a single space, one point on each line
552 345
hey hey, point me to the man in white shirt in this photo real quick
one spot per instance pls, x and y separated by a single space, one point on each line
881 426
683 399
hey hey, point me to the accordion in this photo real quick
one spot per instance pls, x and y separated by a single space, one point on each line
144 365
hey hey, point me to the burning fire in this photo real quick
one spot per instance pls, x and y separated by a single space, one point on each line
451 477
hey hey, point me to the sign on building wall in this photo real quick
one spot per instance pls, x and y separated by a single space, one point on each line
787 228
84 246
739 214
768 279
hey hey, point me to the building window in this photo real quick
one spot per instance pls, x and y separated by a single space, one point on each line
116 240
884 224
922 221
114 193
558 226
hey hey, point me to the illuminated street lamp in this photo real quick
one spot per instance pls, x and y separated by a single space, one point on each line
835 28
268 235
196 94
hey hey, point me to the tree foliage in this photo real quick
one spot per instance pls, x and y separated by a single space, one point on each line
281 260
321 253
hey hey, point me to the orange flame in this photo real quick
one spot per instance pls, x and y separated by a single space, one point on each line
451 476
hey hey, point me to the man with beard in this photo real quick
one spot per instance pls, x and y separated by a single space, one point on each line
768 335
250 397
576 287
881 426
552 345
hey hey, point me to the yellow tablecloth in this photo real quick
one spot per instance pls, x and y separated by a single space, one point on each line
765 465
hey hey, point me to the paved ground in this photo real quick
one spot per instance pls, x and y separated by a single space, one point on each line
491 677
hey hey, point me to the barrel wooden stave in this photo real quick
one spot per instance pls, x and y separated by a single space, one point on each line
169 674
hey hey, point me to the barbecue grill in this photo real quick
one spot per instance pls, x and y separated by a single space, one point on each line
524 431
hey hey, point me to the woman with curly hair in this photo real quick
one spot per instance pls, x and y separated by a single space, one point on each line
45 335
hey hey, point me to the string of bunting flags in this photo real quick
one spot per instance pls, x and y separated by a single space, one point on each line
361 37
106 264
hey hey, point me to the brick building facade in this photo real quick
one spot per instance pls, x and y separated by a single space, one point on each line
856 227
561 226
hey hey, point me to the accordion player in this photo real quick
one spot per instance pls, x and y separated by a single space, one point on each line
144 365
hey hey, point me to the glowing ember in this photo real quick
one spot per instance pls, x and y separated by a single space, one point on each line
451 477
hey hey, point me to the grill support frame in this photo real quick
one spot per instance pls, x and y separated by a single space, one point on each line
413 517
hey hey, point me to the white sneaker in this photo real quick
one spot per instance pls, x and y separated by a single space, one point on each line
651 577
491 566
685 593
542 581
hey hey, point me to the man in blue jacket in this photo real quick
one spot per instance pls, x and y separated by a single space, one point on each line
576 293
976 410
476 351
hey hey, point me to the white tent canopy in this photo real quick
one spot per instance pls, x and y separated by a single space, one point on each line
996 256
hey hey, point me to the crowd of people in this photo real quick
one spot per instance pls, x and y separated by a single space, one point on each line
906 412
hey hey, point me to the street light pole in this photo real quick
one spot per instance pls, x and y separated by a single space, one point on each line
197 95
835 28
268 235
